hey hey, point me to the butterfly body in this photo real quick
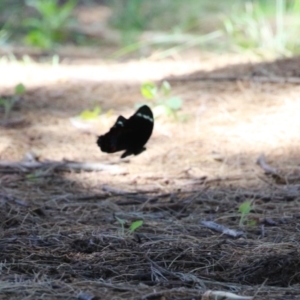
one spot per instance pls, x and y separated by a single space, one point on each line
130 134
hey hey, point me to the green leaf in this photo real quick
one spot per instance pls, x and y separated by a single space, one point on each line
245 207
135 225
33 176
121 221
149 90
30 176
49 26
175 103
20 89
165 88
8 105
32 22
90 114
39 38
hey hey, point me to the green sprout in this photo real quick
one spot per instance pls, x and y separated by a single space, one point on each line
135 225
20 89
35 175
245 209
122 223
89 115
9 103
163 103
132 228
50 26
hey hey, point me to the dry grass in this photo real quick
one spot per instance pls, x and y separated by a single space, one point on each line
60 238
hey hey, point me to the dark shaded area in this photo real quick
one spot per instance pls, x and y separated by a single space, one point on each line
278 270
69 240
282 68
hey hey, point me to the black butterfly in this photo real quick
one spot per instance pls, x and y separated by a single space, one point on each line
130 135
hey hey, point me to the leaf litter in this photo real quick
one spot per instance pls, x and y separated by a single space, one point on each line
60 237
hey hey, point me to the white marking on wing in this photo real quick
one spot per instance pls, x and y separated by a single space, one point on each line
145 117
120 123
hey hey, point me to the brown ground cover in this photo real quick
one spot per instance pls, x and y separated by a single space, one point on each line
60 237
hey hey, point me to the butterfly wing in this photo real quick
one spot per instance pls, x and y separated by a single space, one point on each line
130 135
141 126
112 141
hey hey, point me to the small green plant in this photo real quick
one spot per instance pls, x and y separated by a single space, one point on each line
35 175
49 28
129 17
9 102
162 102
20 89
132 228
135 225
244 209
88 115
4 36
122 222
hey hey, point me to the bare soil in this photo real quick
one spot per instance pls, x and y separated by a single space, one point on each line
60 236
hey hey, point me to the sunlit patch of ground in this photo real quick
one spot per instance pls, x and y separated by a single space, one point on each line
231 119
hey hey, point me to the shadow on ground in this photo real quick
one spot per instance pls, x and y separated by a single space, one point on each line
73 238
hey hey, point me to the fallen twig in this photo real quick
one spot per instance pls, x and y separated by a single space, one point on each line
274 173
221 228
222 295
261 161
283 176
28 166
